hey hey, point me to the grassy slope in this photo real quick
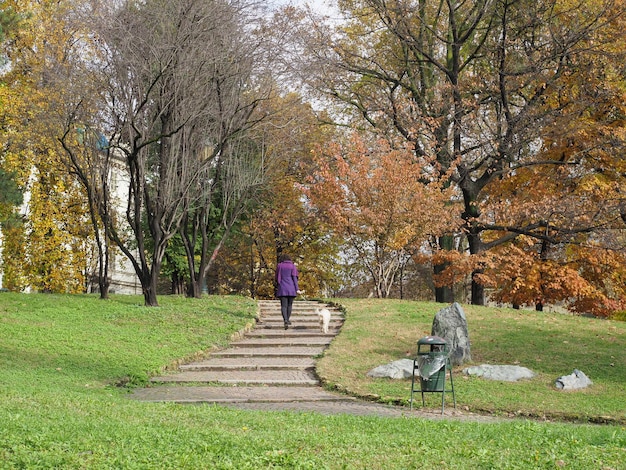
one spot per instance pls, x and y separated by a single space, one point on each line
550 344
60 357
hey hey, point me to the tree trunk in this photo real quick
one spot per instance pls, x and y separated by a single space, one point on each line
476 247
104 282
543 256
103 262
178 284
443 294
150 298
150 287
478 290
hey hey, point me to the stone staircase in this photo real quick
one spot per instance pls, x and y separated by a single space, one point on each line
269 364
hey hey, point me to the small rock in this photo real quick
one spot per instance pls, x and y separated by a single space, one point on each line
575 380
401 369
504 373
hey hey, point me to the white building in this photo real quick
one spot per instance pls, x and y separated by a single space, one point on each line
123 279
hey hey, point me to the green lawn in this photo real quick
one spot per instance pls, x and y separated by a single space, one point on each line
68 362
550 344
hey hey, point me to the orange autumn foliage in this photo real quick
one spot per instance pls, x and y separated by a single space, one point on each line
380 200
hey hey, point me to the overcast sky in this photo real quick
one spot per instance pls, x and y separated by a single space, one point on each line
321 6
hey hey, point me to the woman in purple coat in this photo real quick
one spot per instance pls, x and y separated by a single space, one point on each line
286 286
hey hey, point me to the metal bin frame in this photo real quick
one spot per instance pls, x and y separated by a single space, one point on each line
437 382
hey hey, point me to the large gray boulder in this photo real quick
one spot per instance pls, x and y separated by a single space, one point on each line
401 369
450 324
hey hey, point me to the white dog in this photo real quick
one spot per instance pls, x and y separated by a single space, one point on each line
324 315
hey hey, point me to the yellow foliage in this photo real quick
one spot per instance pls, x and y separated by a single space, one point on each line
48 252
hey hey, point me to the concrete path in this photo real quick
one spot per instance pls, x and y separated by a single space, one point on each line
271 368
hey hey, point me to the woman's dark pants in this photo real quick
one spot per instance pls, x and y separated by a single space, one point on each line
286 304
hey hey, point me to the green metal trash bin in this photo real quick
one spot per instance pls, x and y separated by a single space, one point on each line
431 364
434 383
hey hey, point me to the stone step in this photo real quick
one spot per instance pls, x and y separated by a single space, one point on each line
296 303
296 321
268 365
312 321
250 363
282 341
294 329
278 351
298 307
295 311
292 332
302 319
297 326
260 377
203 394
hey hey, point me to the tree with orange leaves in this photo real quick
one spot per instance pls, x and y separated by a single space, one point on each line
485 89
566 207
582 279
380 201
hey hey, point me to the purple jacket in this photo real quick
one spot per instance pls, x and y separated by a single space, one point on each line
286 279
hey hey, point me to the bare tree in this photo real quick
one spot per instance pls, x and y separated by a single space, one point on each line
90 163
166 64
176 87
233 155
229 186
